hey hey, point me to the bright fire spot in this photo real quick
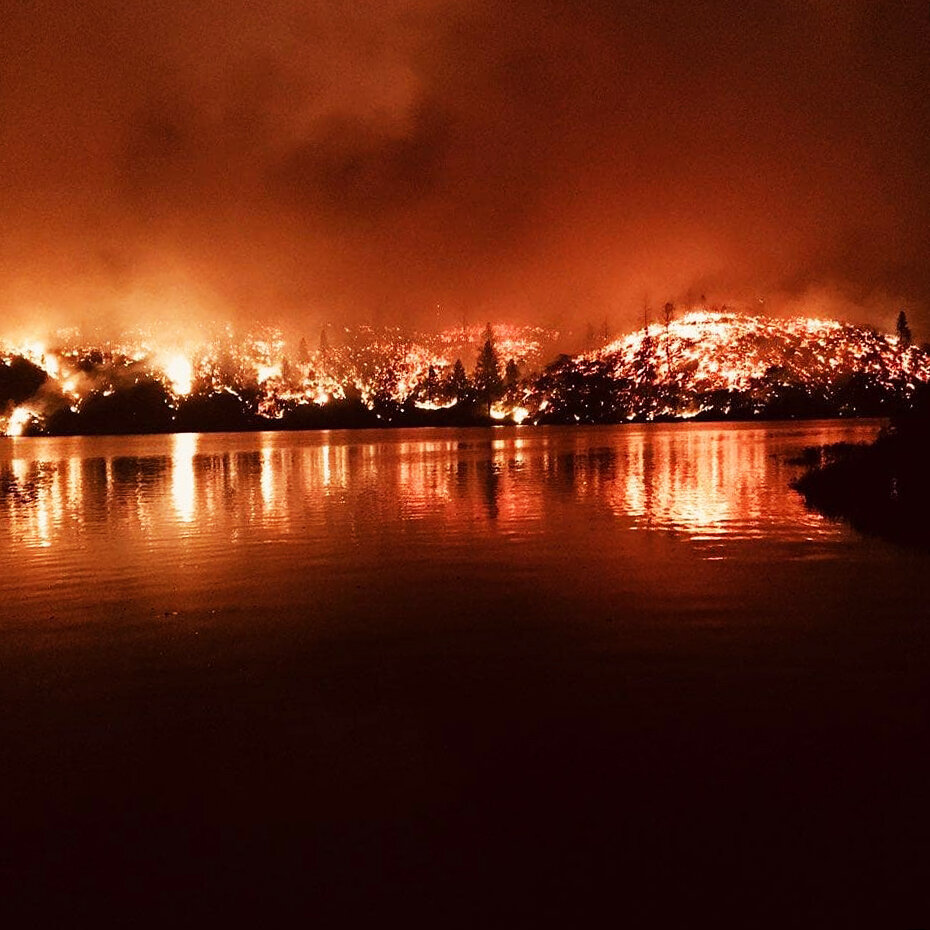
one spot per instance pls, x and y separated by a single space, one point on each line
265 372
179 372
19 418
519 414
434 405
33 350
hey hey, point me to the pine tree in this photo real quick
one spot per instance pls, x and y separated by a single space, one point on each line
432 384
668 312
644 360
303 356
511 381
487 378
904 331
458 382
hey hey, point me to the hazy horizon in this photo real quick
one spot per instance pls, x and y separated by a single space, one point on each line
438 160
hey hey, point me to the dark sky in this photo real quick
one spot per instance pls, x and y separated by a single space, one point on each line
533 161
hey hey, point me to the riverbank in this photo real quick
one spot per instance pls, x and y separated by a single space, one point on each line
223 413
880 489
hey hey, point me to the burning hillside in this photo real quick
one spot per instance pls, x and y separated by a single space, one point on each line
707 365
357 376
729 365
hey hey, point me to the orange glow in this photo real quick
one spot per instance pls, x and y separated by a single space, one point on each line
18 420
179 372
696 366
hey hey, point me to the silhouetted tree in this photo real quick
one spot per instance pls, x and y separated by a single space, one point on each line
432 384
144 407
458 381
487 379
511 374
324 344
904 331
644 359
511 381
668 312
303 355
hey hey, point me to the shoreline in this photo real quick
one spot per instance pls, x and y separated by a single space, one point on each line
880 489
425 419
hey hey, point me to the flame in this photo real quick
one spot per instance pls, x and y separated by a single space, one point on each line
699 355
692 365
18 420
179 372
266 372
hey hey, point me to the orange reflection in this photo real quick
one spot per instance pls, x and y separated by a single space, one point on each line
183 489
707 483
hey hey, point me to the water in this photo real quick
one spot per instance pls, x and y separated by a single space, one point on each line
449 656
176 521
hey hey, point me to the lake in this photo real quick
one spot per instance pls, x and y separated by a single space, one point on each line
503 676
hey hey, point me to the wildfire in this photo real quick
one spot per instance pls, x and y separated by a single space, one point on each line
723 364
702 365
18 420
179 372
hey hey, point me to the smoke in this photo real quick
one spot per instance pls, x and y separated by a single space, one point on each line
441 160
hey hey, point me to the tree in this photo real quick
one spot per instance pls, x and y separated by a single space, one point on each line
668 312
432 384
303 355
487 378
904 331
324 344
511 374
511 381
384 395
644 363
458 382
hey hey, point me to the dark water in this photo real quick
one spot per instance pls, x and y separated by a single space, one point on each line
504 676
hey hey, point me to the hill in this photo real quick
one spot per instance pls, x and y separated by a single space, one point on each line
732 366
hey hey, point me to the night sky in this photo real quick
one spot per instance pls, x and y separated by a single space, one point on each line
527 161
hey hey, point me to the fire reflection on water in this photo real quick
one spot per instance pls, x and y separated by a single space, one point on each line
183 489
703 483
